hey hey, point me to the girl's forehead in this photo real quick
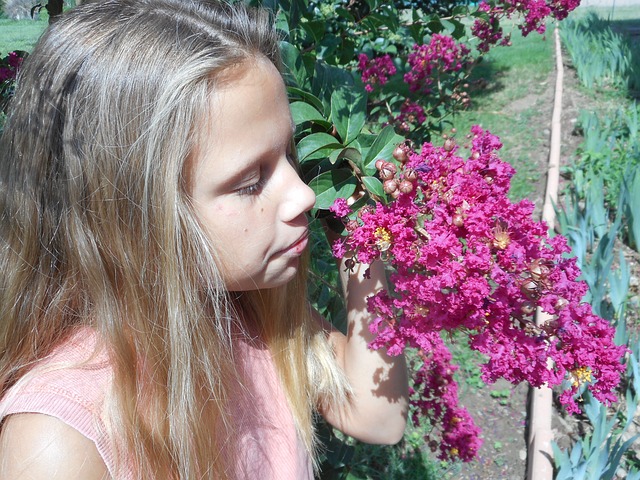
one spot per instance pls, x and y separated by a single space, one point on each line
248 120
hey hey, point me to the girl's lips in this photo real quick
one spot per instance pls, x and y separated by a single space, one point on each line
296 248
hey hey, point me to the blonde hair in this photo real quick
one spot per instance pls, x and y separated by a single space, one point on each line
97 230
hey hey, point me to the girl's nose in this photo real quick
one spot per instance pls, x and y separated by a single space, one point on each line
298 199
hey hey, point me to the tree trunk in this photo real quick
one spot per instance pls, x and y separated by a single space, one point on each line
54 8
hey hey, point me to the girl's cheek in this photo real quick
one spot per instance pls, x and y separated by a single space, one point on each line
225 209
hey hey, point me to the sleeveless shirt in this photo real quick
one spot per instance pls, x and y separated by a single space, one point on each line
72 384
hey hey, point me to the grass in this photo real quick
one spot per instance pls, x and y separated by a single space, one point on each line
504 91
468 376
615 13
20 34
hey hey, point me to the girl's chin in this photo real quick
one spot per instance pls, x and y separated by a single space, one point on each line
272 280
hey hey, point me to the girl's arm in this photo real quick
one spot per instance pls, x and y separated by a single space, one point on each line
377 412
34 446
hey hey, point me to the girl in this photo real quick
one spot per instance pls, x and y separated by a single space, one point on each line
153 242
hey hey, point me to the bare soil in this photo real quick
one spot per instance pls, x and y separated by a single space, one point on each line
500 410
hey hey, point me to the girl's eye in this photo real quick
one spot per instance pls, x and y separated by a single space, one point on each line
254 188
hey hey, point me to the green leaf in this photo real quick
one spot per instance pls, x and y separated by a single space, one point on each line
352 154
295 73
315 29
456 28
327 48
296 93
344 13
316 145
303 112
460 10
327 79
338 183
282 23
382 147
349 153
348 112
481 14
374 186
347 50
435 25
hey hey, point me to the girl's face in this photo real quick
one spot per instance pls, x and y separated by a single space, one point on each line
245 188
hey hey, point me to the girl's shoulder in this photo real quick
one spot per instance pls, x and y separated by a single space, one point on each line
77 372
37 446
64 393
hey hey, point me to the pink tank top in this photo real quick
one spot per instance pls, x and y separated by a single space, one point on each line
73 391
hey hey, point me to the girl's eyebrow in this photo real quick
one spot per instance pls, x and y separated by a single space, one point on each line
243 173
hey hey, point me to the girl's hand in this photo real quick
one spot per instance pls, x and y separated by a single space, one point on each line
377 412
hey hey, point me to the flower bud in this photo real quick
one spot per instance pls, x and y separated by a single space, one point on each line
388 171
410 174
390 186
351 225
458 220
530 288
449 144
401 154
379 163
561 303
538 270
405 186
528 308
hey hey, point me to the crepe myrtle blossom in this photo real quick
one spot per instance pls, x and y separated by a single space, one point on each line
9 66
411 114
463 256
434 70
533 14
375 71
429 61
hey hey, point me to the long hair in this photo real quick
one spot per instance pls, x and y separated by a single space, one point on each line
97 230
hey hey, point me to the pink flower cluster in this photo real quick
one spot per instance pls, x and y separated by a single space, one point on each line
411 113
533 12
434 396
439 65
375 71
441 55
9 66
464 256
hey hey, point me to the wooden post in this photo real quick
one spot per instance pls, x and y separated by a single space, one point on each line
540 454
54 9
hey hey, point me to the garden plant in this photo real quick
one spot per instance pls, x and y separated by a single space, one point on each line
599 217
